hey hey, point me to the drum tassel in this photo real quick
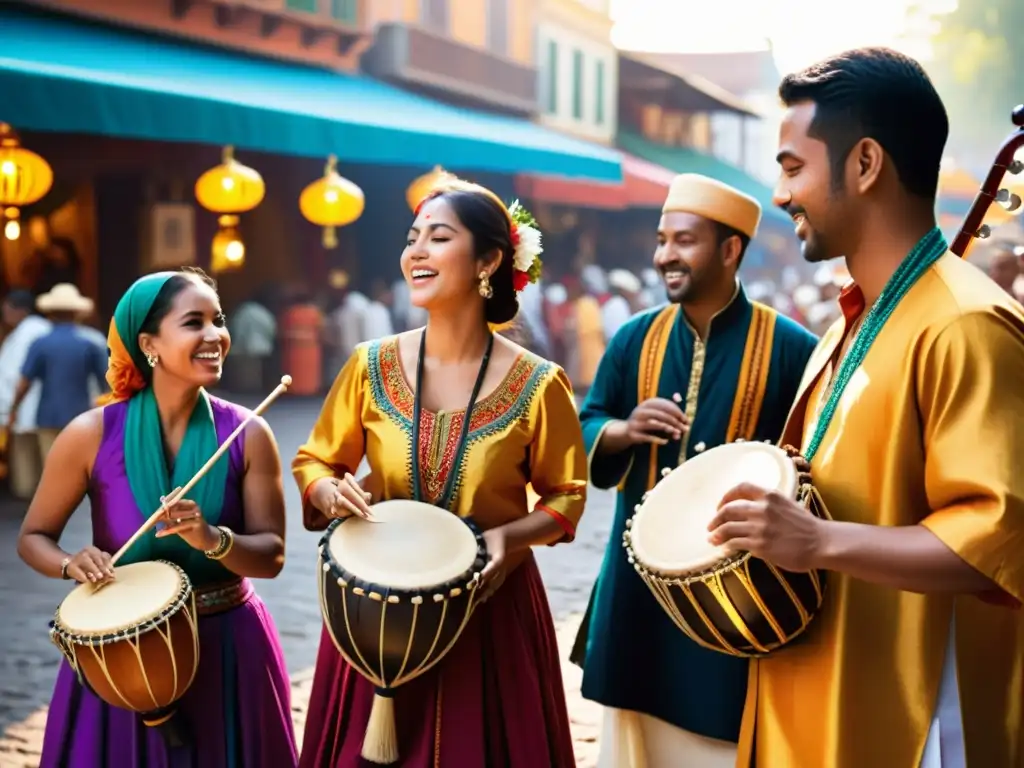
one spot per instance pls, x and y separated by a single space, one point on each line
380 744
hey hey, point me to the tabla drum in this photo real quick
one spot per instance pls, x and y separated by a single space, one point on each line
135 641
395 596
733 603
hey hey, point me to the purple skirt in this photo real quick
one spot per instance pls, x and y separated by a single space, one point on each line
237 712
495 701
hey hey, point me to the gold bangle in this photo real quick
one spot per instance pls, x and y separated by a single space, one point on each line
227 541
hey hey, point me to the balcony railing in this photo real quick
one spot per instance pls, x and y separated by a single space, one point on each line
409 54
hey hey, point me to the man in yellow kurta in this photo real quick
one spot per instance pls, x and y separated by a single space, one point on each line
912 415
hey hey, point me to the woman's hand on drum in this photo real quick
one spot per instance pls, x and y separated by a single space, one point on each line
770 526
657 420
91 565
342 497
184 518
493 574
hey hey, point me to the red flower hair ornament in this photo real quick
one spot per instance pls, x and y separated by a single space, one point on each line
526 242
525 234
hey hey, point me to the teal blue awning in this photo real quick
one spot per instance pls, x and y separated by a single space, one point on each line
62 74
688 160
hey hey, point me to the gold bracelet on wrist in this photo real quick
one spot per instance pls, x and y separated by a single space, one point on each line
227 541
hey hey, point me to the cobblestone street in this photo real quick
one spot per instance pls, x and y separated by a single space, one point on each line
28 663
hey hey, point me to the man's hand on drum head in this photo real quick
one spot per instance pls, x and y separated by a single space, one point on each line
657 421
342 497
770 526
91 566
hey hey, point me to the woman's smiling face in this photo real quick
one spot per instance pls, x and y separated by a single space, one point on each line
438 261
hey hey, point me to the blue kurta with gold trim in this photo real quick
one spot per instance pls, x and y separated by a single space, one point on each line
636 658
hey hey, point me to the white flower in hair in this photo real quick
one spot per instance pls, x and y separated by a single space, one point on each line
528 249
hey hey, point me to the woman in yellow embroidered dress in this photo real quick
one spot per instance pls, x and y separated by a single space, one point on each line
497 699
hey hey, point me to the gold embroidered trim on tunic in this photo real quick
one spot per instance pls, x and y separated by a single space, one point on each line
754 370
439 432
750 390
652 357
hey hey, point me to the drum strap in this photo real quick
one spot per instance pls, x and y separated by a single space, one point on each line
652 358
753 382
750 389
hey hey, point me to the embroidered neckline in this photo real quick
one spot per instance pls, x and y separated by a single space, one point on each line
390 347
392 394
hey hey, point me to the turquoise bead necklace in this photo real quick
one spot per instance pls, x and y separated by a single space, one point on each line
927 251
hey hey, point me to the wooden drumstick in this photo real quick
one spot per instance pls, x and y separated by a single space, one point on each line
171 500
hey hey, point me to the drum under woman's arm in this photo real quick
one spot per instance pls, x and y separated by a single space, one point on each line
336 444
62 487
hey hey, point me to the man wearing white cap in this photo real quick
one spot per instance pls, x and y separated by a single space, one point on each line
65 362
668 388
625 287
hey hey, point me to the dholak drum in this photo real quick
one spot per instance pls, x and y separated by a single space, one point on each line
395 596
737 604
135 642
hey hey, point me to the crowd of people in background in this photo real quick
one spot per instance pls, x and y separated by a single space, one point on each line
52 356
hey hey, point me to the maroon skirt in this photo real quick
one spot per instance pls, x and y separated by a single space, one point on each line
496 700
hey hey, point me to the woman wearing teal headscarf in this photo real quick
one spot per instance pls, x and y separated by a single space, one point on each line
157 427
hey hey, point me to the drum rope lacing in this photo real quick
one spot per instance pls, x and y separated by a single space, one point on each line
445 499
95 646
744 632
927 251
805 494
182 597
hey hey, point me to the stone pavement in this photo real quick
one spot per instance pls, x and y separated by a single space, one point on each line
28 661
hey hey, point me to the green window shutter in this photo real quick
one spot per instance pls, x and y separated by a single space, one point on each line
552 77
346 11
577 84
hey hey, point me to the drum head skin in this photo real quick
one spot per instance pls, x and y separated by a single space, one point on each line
669 533
411 546
139 592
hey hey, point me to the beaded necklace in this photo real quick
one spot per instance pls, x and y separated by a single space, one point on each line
417 415
927 251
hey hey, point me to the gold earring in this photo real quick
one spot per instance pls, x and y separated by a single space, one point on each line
485 286
152 360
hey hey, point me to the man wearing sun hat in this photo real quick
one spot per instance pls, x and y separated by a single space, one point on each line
667 389
64 361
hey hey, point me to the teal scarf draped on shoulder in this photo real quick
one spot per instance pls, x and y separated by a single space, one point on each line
145 462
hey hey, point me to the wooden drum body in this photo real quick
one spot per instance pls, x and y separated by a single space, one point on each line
395 594
736 604
135 641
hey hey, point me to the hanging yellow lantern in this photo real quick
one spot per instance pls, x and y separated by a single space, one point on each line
228 250
229 189
423 186
24 178
331 202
